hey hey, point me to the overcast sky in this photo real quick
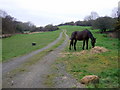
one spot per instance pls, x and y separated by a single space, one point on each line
43 12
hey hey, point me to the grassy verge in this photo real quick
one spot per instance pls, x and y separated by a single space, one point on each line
21 44
105 65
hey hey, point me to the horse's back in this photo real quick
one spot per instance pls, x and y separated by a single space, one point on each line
80 35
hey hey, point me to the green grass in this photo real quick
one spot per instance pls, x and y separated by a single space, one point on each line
21 44
105 65
70 29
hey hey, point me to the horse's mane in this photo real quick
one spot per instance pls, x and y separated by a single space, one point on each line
90 34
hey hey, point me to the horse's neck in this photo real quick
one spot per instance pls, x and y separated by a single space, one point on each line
91 36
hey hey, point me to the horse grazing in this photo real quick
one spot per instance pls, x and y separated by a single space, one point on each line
82 35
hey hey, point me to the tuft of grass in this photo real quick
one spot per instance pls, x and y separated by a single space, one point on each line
49 80
105 65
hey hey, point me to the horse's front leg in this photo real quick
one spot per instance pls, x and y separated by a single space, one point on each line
83 44
71 43
75 45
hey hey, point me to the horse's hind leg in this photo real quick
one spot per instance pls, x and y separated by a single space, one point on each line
83 44
71 43
75 45
87 44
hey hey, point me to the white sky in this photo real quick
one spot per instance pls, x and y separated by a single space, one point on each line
43 12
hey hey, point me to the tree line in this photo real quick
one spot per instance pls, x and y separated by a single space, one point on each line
11 26
97 22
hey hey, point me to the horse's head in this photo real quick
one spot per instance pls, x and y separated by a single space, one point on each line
93 41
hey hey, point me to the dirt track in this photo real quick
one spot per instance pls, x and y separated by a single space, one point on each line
35 76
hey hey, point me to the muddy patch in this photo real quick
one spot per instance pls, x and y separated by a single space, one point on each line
113 34
80 53
63 54
35 32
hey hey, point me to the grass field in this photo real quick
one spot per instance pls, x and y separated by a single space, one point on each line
21 44
105 65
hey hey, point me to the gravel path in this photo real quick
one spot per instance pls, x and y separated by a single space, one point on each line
36 76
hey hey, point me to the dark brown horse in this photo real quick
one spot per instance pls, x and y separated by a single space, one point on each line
82 35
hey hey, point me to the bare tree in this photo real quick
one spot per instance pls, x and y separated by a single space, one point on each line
115 12
87 18
119 9
92 16
8 26
3 14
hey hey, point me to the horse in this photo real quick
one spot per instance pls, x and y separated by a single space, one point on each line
82 35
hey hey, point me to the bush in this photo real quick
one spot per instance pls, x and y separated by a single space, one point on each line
104 23
50 27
